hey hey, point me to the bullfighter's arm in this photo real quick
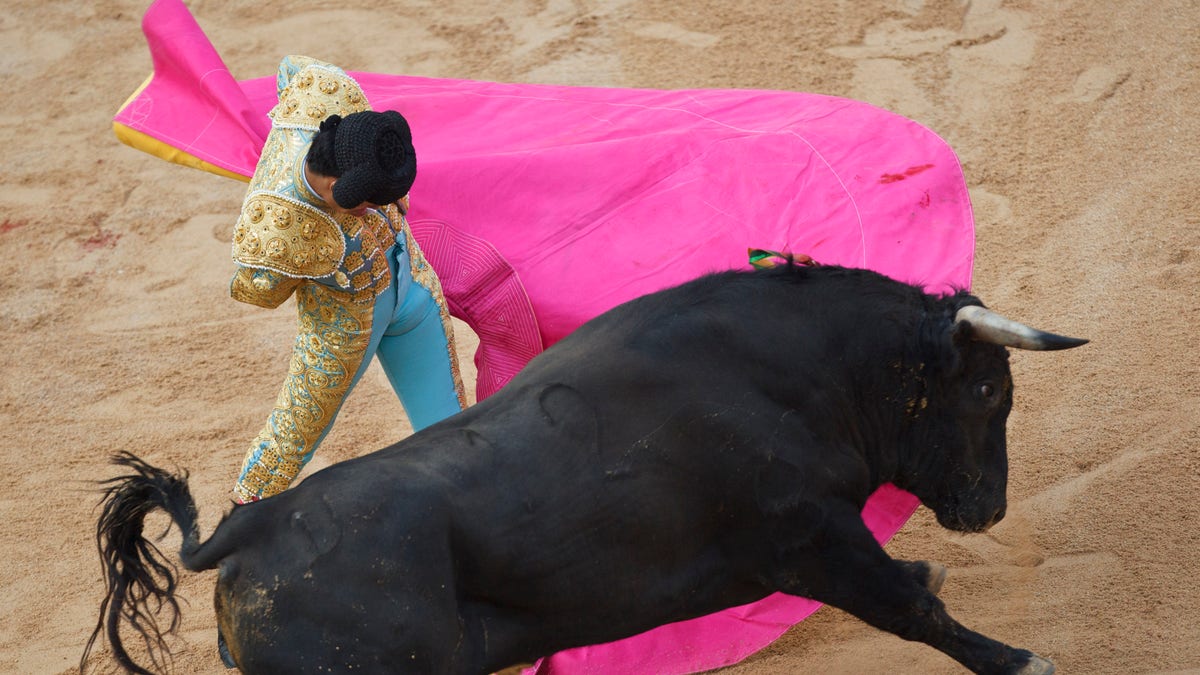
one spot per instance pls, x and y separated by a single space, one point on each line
330 347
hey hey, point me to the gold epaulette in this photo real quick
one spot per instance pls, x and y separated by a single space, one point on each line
287 236
315 92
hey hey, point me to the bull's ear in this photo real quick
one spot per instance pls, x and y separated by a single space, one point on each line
960 337
961 334
950 344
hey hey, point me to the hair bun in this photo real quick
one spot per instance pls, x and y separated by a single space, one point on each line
375 159
390 150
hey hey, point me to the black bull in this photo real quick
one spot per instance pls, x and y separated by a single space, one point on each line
691 450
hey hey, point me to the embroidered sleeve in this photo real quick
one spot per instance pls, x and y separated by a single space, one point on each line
262 288
328 352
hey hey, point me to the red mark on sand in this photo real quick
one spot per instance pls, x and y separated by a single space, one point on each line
10 225
910 171
102 239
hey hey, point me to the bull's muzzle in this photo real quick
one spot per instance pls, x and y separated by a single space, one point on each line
970 520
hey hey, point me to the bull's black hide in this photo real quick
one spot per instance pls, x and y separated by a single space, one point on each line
691 450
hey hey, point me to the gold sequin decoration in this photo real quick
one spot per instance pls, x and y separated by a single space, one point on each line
288 237
361 281
376 233
313 94
261 287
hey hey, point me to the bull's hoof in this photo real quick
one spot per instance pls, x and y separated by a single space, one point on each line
937 577
1036 666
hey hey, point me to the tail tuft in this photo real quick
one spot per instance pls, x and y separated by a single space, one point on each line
140 580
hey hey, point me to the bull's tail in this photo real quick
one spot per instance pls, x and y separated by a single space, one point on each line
140 579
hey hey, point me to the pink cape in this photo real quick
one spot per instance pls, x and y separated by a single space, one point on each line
543 206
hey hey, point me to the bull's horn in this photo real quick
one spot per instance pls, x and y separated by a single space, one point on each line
988 326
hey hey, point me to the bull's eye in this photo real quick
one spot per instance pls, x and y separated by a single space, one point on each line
986 390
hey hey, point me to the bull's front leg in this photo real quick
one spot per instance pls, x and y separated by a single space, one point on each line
846 568
931 575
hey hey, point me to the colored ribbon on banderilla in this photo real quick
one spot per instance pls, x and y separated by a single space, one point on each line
763 259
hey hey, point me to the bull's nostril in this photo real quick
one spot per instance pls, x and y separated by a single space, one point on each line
998 517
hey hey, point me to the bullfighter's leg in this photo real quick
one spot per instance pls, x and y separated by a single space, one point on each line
846 568
418 356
